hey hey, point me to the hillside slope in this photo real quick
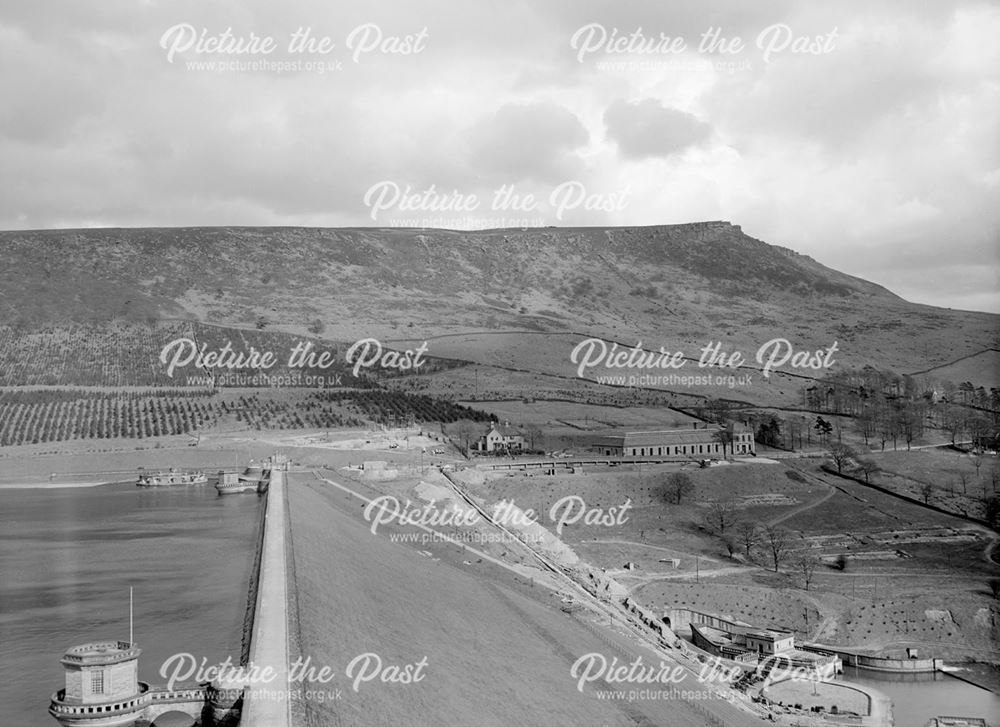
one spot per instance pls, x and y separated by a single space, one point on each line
676 286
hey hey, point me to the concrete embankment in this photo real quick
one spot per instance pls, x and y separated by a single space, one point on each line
266 702
253 587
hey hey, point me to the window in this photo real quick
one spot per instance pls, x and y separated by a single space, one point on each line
97 682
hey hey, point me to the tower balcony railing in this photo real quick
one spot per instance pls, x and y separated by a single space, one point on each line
60 706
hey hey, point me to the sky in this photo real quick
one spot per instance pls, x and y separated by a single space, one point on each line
862 134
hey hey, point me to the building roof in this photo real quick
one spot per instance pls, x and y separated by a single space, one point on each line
667 437
769 635
662 438
504 431
715 636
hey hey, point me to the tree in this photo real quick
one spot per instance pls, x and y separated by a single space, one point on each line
533 434
841 454
730 544
720 516
868 467
977 462
769 432
963 477
717 410
979 431
911 421
678 486
806 565
841 562
725 437
991 508
466 431
777 539
926 490
823 428
749 535
953 421
865 424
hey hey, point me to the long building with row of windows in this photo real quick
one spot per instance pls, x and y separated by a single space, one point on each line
704 441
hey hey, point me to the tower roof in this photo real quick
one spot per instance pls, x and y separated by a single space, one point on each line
97 653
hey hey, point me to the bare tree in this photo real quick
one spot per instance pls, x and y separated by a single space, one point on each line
979 428
806 565
953 421
717 410
730 542
963 477
868 467
994 584
991 510
864 422
841 454
725 437
749 535
720 515
911 421
926 490
678 486
777 542
466 430
533 433
977 462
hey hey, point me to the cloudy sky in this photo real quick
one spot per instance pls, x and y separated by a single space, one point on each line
864 134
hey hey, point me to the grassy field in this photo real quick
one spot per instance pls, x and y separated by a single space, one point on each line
953 475
982 369
587 416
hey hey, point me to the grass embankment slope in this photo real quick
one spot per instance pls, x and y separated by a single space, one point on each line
496 654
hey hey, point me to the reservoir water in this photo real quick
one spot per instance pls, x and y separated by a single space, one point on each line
68 557
918 697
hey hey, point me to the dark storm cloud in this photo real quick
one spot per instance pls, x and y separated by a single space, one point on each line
648 129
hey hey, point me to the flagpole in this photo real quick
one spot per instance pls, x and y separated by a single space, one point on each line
130 641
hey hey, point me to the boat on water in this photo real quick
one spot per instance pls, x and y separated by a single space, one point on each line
170 478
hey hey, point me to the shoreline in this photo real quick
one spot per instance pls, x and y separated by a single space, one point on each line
53 485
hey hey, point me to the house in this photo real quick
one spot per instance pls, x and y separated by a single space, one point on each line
699 441
768 642
500 439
